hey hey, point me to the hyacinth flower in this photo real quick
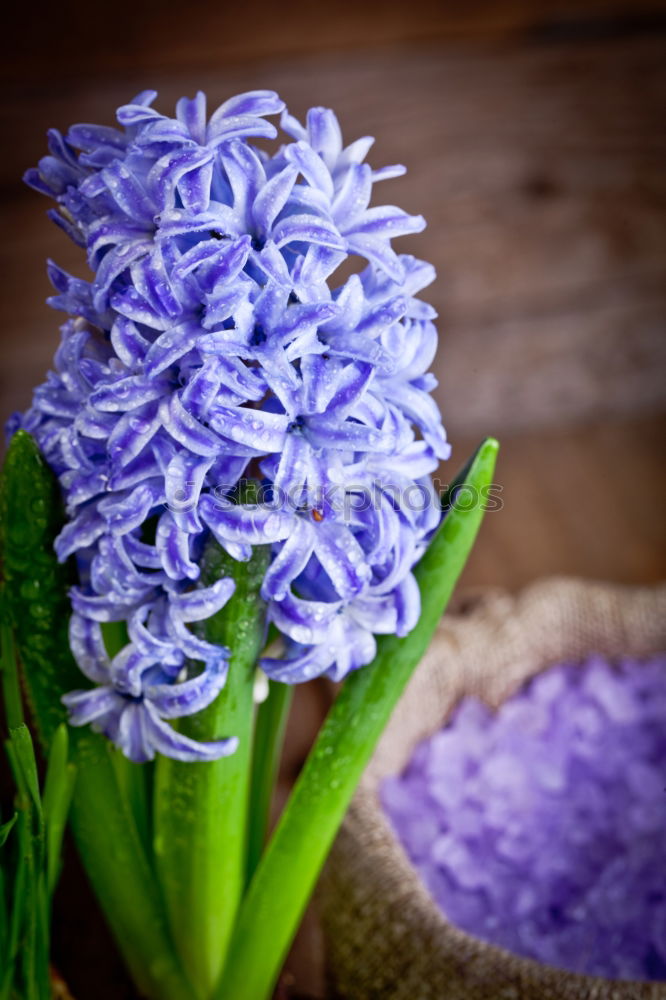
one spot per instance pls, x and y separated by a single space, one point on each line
243 444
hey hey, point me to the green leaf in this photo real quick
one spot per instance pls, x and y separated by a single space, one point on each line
111 847
201 808
4 922
58 790
5 828
56 772
22 755
287 873
11 689
31 910
27 903
20 901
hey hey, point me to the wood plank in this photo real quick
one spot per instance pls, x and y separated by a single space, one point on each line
539 169
54 43
584 501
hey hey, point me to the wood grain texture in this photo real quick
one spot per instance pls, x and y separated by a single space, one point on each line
539 168
73 41
585 501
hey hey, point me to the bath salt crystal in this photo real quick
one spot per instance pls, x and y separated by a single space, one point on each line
540 827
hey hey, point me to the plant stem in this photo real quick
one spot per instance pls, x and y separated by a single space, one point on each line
287 873
201 809
269 731
121 874
134 780
35 591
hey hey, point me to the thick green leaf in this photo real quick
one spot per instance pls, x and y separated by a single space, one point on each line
287 873
37 606
11 689
201 808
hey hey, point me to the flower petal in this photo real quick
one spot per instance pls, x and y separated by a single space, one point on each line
167 741
249 524
183 428
198 605
289 560
258 429
172 701
305 622
342 558
89 706
307 229
88 649
173 545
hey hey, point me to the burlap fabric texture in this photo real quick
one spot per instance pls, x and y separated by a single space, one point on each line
385 937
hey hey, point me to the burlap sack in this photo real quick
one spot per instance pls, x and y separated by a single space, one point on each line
385 937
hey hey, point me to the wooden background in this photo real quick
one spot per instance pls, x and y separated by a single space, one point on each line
534 138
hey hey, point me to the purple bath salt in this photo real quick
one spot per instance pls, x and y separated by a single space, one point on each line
541 827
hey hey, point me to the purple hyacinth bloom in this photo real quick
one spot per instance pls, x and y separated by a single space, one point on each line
214 343
540 828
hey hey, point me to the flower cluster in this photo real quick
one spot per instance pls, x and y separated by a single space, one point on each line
538 828
214 343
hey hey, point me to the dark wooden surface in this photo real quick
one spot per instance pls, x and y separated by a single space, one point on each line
534 137
538 164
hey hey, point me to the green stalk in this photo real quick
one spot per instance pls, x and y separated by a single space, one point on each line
121 874
134 780
200 817
287 873
268 738
35 591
